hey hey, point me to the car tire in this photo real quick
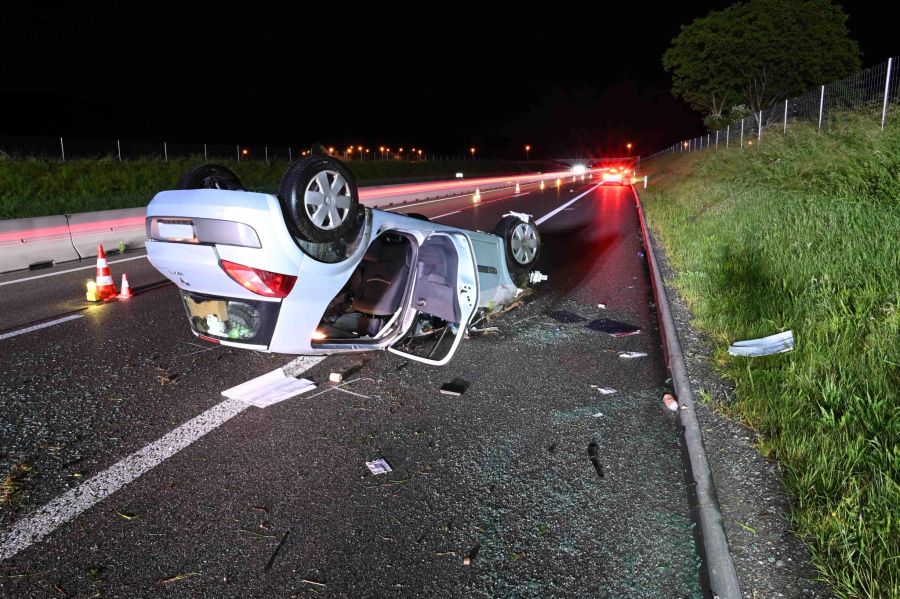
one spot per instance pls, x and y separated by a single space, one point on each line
320 198
210 176
522 246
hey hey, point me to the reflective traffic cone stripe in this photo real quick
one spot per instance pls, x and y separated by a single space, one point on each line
126 288
106 289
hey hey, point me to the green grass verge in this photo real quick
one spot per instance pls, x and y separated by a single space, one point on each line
803 233
34 187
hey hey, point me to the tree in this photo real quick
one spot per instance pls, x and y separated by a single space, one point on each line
758 53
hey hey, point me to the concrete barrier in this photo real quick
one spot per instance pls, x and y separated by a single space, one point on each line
108 227
28 241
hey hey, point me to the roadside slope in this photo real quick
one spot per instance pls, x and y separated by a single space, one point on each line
802 234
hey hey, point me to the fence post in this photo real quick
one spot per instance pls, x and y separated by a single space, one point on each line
237 150
707 140
717 139
62 149
785 116
759 137
289 155
166 151
742 132
267 154
727 135
821 107
887 83
119 148
205 157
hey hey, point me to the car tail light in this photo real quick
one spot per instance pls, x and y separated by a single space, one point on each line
261 282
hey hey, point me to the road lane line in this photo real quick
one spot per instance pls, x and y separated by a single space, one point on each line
74 502
443 215
550 215
40 326
412 204
62 272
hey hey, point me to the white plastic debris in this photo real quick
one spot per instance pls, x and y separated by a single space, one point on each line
766 346
536 276
214 325
520 215
335 377
598 414
630 355
604 390
379 466
671 402
268 389
601 306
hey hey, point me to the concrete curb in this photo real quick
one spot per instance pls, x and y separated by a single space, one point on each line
722 577
27 241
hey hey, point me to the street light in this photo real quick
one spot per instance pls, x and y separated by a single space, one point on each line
472 150
628 145
420 154
527 150
381 149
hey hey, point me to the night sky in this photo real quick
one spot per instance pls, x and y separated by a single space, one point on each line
565 79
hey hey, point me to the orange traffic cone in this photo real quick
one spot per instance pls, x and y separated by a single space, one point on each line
106 289
126 289
477 196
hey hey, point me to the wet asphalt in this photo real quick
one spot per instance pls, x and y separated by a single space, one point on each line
493 493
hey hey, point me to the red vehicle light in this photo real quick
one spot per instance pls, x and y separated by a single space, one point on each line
261 282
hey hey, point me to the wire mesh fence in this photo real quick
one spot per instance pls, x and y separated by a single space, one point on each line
874 90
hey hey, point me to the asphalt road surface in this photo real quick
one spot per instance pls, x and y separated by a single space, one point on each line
533 483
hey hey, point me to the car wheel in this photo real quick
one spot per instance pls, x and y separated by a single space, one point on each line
320 197
522 245
210 176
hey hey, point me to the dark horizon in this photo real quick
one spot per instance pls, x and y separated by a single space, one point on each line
585 85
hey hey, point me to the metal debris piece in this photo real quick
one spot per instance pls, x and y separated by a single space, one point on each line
630 355
536 276
604 390
335 377
379 466
766 346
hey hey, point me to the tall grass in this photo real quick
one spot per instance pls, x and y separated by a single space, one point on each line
35 187
803 233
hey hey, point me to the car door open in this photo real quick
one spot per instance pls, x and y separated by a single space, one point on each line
446 289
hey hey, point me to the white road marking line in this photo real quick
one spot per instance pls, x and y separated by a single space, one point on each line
550 215
74 502
62 272
38 327
443 215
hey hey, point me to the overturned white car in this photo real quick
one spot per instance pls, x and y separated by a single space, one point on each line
312 271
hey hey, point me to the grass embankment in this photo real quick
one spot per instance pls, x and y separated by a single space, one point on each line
803 233
44 187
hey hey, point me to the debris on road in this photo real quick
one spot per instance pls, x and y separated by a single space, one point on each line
268 389
12 483
176 578
766 346
277 550
601 306
335 377
594 454
631 355
315 583
598 415
604 390
536 276
455 387
613 328
379 466
670 402
484 330
470 556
